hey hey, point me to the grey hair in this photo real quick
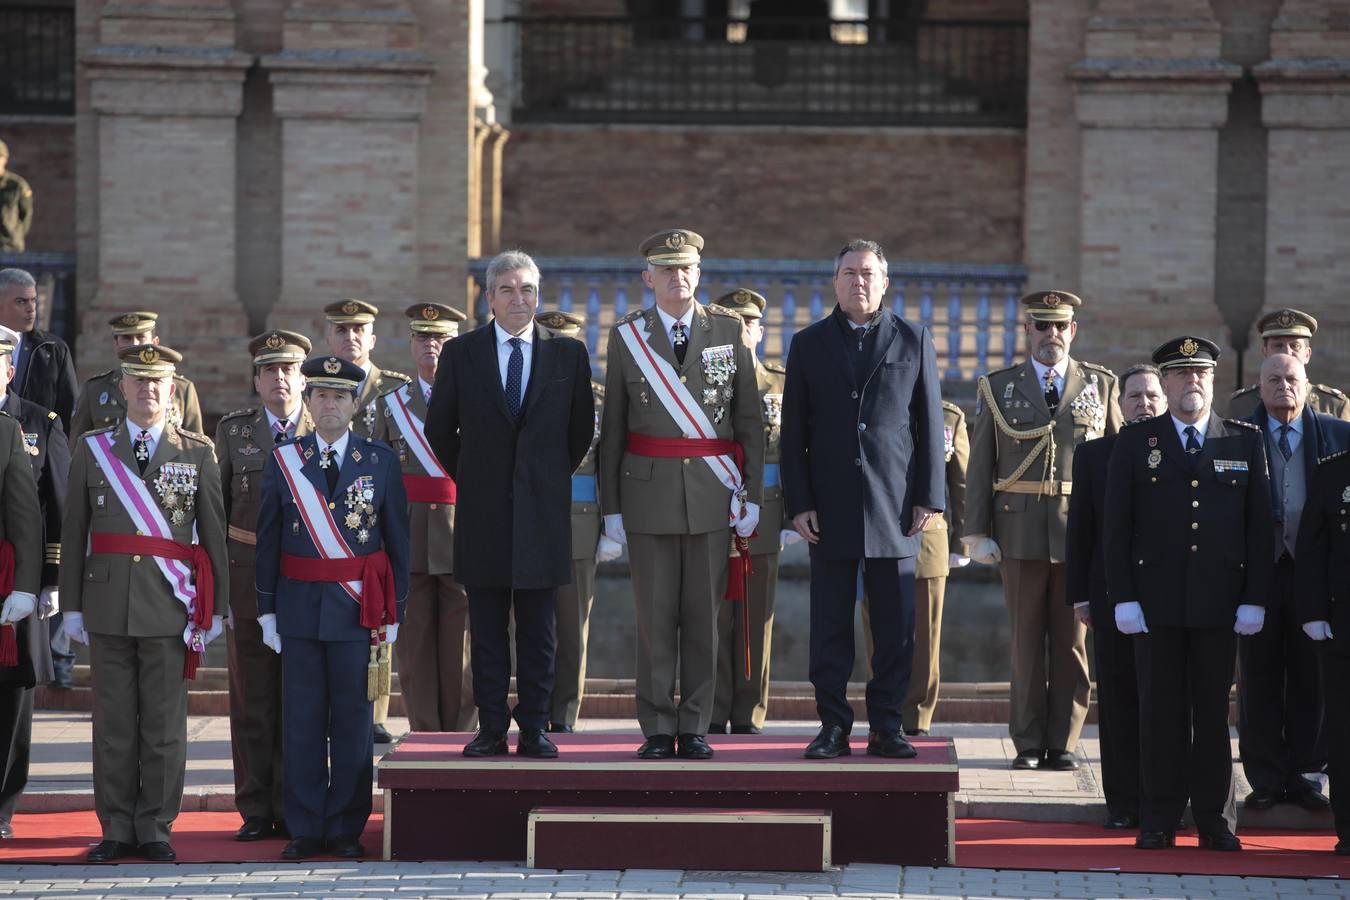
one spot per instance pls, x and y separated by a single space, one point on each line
858 245
1139 369
16 278
510 261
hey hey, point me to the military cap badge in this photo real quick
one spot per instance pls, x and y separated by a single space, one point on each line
1189 347
1286 319
332 366
130 319
431 313
675 240
1051 300
275 341
350 308
149 355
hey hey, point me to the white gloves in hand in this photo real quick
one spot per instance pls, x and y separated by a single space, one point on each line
268 623
391 633
607 549
787 537
1130 618
983 550
1082 613
49 603
957 561
72 623
216 630
1249 619
614 529
745 525
1318 629
18 606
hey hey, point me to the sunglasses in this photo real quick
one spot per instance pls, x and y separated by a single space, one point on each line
1058 326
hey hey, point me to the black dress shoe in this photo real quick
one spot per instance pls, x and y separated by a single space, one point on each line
1060 761
1155 840
302 848
693 746
829 743
107 851
382 735
746 729
658 746
560 728
1220 840
1126 820
890 745
1310 799
347 847
158 851
1028 759
6 830
1262 799
255 828
487 743
715 728
533 742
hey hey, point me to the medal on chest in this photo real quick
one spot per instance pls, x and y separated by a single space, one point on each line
30 443
176 485
360 503
719 367
948 443
773 417
1089 405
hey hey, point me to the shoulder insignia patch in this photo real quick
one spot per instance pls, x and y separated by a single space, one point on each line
1248 425
950 406
246 411
1328 389
1098 368
722 311
51 416
635 314
775 367
399 376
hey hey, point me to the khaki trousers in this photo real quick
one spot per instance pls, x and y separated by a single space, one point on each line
738 700
574 628
432 653
255 723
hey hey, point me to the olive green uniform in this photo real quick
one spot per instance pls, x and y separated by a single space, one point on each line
101 404
16 212
1321 399
378 383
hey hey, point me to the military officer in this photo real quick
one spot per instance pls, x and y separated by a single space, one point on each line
143 570
1028 420
1190 550
680 396
26 436
589 547
433 658
244 440
101 403
16 206
332 575
742 695
1290 331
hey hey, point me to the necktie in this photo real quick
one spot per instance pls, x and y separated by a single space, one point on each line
679 341
426 394
282 427
1192 442
1285 449
142 450
1051 392
515 366
328 462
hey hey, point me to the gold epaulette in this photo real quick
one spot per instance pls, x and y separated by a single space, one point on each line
723 311
390 373
632 316
1244 424
775 367
1328 389
246 411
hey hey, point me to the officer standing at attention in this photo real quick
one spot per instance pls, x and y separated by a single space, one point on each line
681 463
143 569
101 403
1028 420
1190 541
1290 331
244 441
332 584
433 659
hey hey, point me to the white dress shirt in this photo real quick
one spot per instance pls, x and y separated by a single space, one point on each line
1274 425
1200 427
668 322
1059 369
504 354
426 388
292 420
339 447
156 431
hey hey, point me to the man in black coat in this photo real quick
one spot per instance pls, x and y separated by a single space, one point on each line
863 468
1141 398
43 369
511 417
1189 557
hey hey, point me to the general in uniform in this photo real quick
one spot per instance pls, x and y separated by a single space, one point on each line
244 441
332 576
680 396
1290 331
434 674
144 581
101 403
1028 420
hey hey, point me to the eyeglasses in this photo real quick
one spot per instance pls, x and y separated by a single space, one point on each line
1058 326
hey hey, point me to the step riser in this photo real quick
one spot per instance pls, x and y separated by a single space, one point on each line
742 846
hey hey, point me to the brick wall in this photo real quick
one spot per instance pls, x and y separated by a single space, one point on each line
43 152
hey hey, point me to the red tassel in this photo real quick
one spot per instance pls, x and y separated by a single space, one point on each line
9 647
191 659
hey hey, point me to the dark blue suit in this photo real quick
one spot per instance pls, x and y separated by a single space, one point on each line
862 445
327 726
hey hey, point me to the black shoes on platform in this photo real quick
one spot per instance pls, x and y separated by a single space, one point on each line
890 744
259 828
560 728
1121 821
158 851
382 735
533 742
831 742
1060 761
347 847
302 848
693 746
1029 759
1220 840
1262 799
487 743
746 729
108 851
658 746
1155 840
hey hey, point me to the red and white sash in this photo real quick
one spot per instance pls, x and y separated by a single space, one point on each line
413 430
679 402
314 512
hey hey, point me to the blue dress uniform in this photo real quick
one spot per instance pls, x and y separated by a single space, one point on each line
327 726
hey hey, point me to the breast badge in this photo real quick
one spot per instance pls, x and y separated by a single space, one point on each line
176 485
719 366
773 417
360 499
1154 457
30 443
948 443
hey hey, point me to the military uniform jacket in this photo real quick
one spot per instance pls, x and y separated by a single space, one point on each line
317 610
586 512
101 404
16 212
126 595
770 378
1321 399
1031 525
432 524
18 511
378 383
244 441
1322 573
942 535
45 444
1190 542
678 496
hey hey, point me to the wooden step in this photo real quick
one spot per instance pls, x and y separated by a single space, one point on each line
678 837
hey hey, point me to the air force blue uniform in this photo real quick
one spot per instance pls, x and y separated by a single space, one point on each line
327 726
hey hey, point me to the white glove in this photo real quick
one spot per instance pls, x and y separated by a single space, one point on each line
72 623
391 633
607 549
215 631
787 537
614 528
745 524
49 603
957 561
1249 619
1081 613
983 549
268 623
1318 630
18 606
1130 618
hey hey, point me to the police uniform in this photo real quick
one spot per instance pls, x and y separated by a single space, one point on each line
331 613
244 440
1321 398
146 631
741 699
574 600
101 403
376 382
1189 555
433 657
1017 494
675 509
16 208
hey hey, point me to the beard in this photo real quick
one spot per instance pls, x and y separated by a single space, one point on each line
1050 354
1192 402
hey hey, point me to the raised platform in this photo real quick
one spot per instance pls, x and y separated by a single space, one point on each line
440 805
